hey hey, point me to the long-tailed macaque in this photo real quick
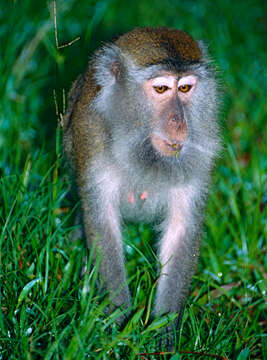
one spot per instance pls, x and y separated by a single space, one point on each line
141 133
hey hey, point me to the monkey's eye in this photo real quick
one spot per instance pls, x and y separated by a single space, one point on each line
184 88
161 89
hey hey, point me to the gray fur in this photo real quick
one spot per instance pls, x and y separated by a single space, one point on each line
126 162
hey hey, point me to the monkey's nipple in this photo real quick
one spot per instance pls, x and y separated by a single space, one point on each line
131 198
144 195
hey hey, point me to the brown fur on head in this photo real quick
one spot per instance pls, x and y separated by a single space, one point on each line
151 46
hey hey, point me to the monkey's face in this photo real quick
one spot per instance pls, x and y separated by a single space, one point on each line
168 96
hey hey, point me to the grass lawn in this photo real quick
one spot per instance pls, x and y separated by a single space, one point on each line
46 310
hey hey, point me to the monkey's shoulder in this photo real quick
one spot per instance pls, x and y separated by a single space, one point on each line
83 91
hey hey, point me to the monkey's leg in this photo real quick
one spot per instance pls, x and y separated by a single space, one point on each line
178 255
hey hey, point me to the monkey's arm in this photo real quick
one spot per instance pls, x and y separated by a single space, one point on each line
86 142
178 252
100 203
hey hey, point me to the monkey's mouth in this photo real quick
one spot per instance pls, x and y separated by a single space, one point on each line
166 147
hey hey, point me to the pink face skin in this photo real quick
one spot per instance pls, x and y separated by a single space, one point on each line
169 130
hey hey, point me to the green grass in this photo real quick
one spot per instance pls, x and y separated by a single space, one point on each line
46 310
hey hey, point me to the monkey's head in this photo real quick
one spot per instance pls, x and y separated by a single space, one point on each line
158 94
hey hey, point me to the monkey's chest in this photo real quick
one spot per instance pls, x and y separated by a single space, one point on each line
141 204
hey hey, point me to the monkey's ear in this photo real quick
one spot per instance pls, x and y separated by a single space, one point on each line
203 47
108 65
116 69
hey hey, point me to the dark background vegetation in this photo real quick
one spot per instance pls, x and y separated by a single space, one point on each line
46 311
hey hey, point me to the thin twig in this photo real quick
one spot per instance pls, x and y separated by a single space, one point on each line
55 22
59 114
63 101
55 101
69 43
55 29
